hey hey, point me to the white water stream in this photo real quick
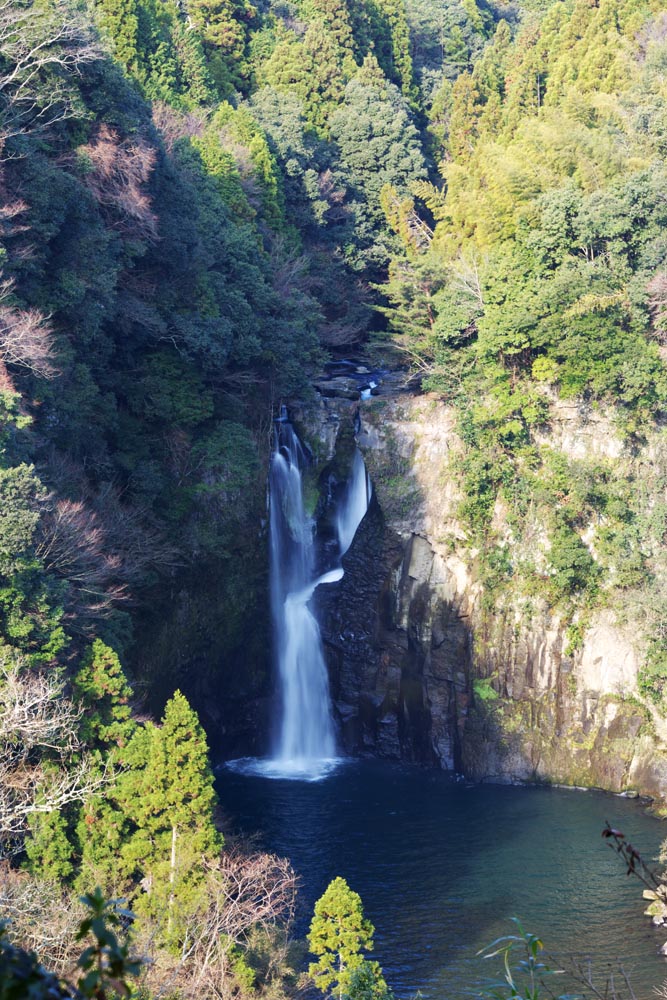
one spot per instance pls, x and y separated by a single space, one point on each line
305 745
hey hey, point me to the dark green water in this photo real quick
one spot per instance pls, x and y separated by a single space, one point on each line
442 868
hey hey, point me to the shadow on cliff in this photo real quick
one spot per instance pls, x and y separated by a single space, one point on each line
398 654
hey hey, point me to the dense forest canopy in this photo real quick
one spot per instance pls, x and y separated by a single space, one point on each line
199 201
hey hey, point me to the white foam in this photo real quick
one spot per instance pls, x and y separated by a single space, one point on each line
299 769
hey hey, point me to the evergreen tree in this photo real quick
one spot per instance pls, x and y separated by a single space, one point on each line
366 983
48 849
119 20
312 69
379 146
333 15
338 935
102 688
463 128
401 71
168 797
222 25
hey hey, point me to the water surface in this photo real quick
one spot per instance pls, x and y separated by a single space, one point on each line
442 867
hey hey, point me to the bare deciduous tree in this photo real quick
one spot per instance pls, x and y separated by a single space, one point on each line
41 768
242 893
44 919
36 40
466 277
26 337
174 125
102 547
118 171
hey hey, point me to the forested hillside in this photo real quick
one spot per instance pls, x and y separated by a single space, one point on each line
191 217
200 202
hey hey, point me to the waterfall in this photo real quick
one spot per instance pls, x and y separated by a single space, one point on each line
306 734
305 745
354 504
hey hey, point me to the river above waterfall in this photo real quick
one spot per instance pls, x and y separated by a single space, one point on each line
442 866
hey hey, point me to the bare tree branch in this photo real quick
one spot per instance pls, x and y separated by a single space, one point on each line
41 766
26 337
40 43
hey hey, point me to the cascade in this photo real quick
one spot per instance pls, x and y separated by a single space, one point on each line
305 733
354 504
305 745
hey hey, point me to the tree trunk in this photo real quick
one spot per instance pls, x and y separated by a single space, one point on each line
172 877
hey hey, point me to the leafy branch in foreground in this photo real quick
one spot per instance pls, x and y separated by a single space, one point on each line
635 863
106 964
526 977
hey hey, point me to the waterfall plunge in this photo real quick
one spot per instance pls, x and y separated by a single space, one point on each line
306 736
305 746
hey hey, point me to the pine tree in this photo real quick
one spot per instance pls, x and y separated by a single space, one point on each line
102 688
168 796
49 852
338 935
120 21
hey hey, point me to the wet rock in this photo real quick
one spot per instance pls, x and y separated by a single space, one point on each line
339 388
403 684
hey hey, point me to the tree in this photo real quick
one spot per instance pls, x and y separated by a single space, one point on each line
42 769
366 984
41 45
106 964
118 19
378 145
102 688
167 797
338 935
26 338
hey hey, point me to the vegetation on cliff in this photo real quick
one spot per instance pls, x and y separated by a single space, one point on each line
540 285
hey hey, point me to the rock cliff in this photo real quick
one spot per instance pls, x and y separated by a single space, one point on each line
427 666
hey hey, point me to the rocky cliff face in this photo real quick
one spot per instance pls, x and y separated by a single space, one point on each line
425 667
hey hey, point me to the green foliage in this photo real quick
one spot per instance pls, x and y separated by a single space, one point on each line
48 849
652 678
20 495
367 983
102 689
523 976
169 392
338 935
484 690
106 964
378 146
167 801
571 563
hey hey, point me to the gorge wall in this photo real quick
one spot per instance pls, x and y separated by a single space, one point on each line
426 667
